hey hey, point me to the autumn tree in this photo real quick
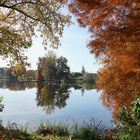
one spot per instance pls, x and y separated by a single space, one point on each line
52 67
19 70
115 40
30 74
39 71
20 20
47 67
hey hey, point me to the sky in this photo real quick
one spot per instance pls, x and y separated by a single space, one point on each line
73 47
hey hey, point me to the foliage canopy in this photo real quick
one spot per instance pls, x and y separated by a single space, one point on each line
20 20
115 40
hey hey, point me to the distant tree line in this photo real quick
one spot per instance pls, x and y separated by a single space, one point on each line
49 68
13 74
83 76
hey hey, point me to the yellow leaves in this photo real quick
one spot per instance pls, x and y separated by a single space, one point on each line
18 70
19 67
2 16
20 20
12 45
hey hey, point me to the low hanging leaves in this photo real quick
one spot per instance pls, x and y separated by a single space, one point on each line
20 20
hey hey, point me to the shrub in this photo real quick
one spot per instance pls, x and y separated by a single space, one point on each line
129 122
58 129
90 130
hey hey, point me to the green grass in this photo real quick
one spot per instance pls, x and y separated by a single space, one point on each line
53 131
88 130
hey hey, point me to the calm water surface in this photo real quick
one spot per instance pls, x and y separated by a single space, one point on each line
40 104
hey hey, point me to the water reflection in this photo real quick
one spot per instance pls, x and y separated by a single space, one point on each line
51 97
16 86
55 96
36 101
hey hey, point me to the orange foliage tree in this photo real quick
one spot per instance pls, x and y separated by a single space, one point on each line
115 40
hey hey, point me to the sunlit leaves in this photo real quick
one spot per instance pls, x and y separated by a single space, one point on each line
12 45
16 72
20 20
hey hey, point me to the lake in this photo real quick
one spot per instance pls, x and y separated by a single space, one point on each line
25 103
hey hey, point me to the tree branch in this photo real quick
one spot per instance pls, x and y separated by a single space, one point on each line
20 11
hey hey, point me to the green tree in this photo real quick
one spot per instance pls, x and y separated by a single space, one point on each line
129 121
89 78
63 70
20 20
83 71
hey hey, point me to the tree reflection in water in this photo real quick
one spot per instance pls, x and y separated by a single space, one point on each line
51 97
16 85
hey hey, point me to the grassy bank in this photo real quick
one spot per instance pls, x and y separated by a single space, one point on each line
59 131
